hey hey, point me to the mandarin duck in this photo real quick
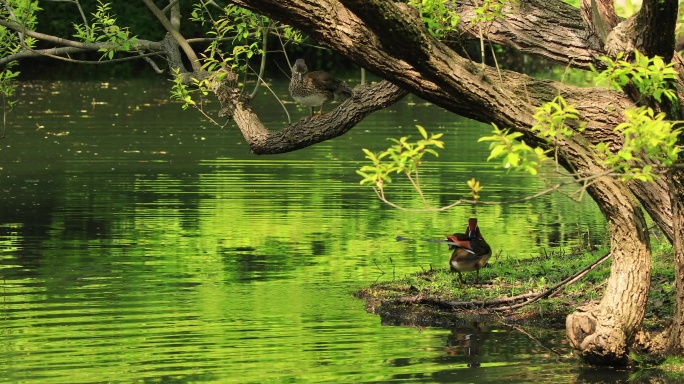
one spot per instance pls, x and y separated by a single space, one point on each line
471 251
313 89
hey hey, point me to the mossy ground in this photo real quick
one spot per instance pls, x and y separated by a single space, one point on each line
506 277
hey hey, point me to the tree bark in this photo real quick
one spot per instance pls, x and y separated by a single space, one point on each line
604 332
552 30
599 17
674 340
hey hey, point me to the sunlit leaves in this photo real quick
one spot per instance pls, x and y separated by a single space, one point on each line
239 26
514 153
475 188
378 173
103 29
292 34
648 137
551 118
7 88
651 76
7 85
180 91
403 157
491 10
439 16
22 12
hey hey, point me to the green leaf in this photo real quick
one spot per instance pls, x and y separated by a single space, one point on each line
422 131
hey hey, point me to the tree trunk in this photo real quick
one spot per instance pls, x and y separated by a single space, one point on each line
675 335
604 332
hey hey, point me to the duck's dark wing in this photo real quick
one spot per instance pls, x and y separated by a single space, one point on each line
480 247
325 81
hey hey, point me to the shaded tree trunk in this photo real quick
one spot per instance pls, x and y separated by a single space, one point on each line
674 337
604 332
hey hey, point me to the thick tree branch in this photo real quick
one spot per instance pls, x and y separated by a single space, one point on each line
462 89
308 131
550 29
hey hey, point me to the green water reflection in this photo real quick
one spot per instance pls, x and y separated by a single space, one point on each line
138 242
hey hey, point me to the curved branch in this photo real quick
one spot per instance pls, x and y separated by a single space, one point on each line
194 60
145 45
262 67
169 6
98 62
42 52
307 131
432 70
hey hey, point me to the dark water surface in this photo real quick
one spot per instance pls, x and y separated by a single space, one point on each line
141 243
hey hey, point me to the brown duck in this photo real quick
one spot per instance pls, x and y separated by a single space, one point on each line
313 89
471 251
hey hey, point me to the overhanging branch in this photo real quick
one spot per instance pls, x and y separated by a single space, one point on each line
308 131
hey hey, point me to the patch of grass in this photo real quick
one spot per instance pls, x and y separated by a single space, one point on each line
505 277
508 276
657 369
674 364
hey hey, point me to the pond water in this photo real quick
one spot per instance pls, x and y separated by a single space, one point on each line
141 243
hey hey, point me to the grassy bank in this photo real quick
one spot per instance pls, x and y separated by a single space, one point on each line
434 296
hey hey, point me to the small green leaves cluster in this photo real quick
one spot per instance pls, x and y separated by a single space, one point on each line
647 136
23 12
179 91
651 76
491 10
7 88
551 118
292 34
649 139
475 188
103 29
404 156
515 154
551 121
242 27
439 16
